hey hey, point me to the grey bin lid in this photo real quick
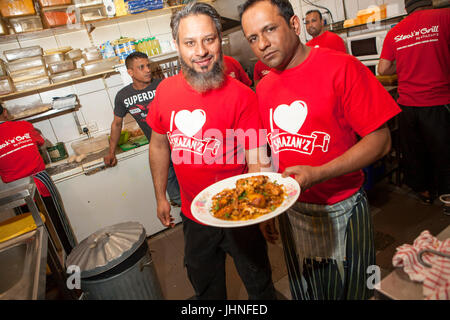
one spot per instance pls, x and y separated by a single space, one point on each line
106 248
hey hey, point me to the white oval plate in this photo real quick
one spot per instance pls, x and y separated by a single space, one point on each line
202 203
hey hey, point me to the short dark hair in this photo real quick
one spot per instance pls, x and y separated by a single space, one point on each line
314 10
411 5
1 109
195 8
133 56
284 7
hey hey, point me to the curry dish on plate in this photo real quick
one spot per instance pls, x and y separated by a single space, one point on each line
253 197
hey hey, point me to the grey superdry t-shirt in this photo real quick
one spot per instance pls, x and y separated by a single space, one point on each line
137 103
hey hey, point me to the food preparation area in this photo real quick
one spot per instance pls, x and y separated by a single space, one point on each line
398 218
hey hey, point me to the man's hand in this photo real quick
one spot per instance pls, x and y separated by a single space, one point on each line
269 230
306 176
110 160
163 213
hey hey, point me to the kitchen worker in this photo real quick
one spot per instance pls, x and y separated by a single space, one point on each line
190 117
321 37
136 99
324 99
20 158
259 72
417 49
234 69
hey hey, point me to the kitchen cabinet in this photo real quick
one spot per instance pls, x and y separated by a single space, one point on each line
114 195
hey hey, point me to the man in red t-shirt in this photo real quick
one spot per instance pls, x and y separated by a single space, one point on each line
260 71
323 100
20 158
417 49
234 69
194 118
321 37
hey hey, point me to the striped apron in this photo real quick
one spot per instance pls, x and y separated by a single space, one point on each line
57 201
328 249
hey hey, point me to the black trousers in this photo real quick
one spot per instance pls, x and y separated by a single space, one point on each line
205 252
425 145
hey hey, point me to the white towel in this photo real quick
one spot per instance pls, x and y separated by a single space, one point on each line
436 280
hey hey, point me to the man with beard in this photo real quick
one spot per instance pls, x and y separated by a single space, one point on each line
136 99
324 99
191 117
321 37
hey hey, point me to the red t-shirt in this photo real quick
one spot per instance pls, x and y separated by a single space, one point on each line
234 69
420 45
328 40
319 108
260 71
19 153
196 124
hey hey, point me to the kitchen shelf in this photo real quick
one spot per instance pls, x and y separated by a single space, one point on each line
49 113
338 27
17 94
46 32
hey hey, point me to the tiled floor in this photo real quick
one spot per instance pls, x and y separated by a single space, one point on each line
398 218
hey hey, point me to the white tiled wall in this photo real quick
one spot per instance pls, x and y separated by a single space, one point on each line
96 96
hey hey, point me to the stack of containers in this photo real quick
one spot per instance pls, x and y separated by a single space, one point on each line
124 47
26 68
61 64
94 62
21 15
55 13
138 6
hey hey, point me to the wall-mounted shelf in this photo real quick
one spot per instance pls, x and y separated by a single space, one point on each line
18 94
338 27
49 113
88 24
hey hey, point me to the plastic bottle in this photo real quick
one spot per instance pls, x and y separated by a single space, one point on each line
158 46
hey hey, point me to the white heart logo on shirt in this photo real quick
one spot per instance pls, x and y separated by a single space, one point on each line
291 118
190 122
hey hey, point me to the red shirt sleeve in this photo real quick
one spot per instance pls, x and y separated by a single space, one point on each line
232 65
35 135
154 115
359 87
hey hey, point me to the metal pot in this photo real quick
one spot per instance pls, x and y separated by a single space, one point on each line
115 263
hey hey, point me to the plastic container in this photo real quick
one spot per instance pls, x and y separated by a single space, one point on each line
91 54
27 74
26 24
91 145
3 72
57 152
91 14
25 63
28 52
56 57
100 66
64 76
57 50
74 54
3 28
31 84
59 18
6 85
61 66
13 8
50 3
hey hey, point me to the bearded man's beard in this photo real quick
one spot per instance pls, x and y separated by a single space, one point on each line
204 81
